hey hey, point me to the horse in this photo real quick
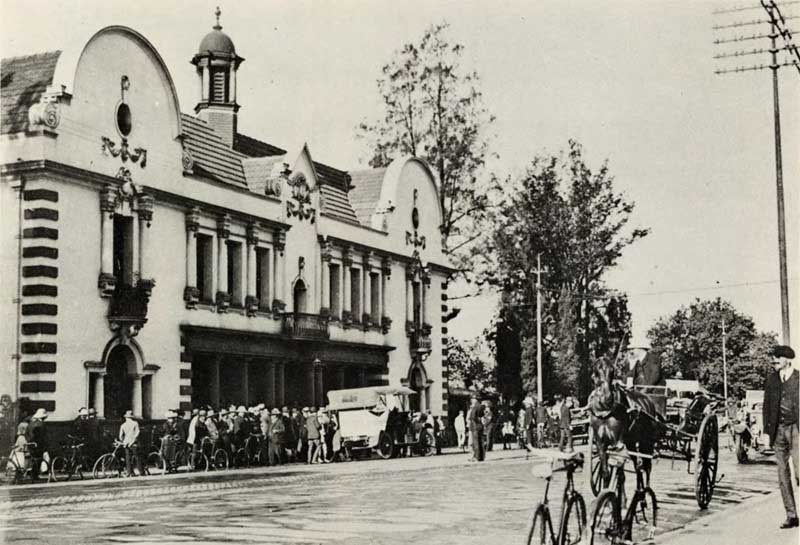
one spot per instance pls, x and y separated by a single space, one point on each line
615 419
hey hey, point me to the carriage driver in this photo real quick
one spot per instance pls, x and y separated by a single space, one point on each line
781 423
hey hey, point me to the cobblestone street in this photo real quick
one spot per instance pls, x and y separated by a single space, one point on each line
391 502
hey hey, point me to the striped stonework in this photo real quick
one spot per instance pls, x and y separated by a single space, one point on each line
39 328
445 387
185 382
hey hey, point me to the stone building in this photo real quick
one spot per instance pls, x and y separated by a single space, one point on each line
154 259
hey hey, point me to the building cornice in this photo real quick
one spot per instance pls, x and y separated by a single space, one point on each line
71 174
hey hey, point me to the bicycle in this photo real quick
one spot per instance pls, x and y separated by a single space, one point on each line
63 468
112 464
573 508
18 464
215 452
639 523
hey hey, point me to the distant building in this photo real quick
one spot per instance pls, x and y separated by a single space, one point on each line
153 259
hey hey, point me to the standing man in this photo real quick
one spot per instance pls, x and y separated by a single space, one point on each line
476 429
781 423
460 425
37 438
129 437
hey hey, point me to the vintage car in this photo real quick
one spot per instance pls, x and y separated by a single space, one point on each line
748 432
377 418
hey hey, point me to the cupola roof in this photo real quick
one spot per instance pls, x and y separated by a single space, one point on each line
216 41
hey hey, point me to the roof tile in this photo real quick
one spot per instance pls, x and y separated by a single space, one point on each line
23 80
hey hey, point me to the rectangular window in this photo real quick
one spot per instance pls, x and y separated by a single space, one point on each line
335 304
355 294
263 278
235 273
123 249
219 85
205 267
375 287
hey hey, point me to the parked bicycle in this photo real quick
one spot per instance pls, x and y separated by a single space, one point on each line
73 464
639 523
18 464
572 521
112 464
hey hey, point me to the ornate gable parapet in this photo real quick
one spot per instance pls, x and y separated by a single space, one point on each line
299 203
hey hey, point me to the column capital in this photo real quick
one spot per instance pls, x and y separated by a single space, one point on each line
144 208
223 226
108 199
252 234
386 265
366 257
326 250
279 240
193 219
347 257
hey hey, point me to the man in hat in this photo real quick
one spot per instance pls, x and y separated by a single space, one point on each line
80 426
476 429
565 423
290 436
37 439
170 437
129 437
277 431
312 433
299 418
781 423
223 428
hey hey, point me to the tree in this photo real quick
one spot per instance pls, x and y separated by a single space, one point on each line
690 342
433 109
571 217
466 366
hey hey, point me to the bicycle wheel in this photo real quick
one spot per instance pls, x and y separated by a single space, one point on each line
155 464
198 462
241 459
221 459
645 511
573 522
59 469
101 466
606 522
537 535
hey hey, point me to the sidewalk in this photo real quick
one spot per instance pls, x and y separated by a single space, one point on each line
753 522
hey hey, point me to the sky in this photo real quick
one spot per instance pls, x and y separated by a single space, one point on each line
633 81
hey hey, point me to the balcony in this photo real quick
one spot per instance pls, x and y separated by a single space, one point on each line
420 342
127 310
299 325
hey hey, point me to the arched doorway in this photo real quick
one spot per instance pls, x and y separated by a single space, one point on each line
118 384
417 382
299 295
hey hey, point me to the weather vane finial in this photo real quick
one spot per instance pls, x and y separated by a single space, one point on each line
217 12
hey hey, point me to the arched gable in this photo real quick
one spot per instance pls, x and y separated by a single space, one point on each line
393 178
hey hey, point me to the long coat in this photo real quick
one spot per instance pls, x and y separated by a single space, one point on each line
772 401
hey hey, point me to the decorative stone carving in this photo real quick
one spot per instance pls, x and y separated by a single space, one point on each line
347 317
47 114
223 301
278 306
252 234
347 257
145 208
251 303
106 283
224 226
386 267
410 328
366 320
299 205
386 324
366 263
279 241
193 219
138 155
108 200
326 251
415 240
187 160
192 296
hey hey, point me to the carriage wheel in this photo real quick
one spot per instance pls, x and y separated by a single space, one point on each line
741 450
385 446
705 460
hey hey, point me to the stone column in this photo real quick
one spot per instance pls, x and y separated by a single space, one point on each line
386 273
223 299
379 303
99 395
280 383
425 286
319 394
137 395
267 289
214 272
145 211
108 203
366 292
347 262
325 304
246 381
269 395
135 276
409 298
279 244
190 293
250 300
312 381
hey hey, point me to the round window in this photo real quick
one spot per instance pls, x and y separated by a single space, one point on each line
124 123
415 217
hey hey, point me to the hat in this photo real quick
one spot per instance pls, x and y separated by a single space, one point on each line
241 409
260 406
195 412
201 413
783 351
128 414
232 408
168 414
211 412
83 412
223 412
285 409
305 409
275 412
40 413
92 411
323 410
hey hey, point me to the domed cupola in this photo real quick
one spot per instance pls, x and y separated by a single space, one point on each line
217 62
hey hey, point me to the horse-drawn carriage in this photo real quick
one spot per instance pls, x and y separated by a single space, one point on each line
637 417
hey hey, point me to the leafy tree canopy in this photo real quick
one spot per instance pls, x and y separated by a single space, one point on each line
690 341
433 109
468 367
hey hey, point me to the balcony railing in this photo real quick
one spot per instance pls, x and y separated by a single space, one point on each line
128 306
305 326
420 343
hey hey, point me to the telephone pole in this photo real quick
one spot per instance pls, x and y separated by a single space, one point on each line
539 271
724 365
778 28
